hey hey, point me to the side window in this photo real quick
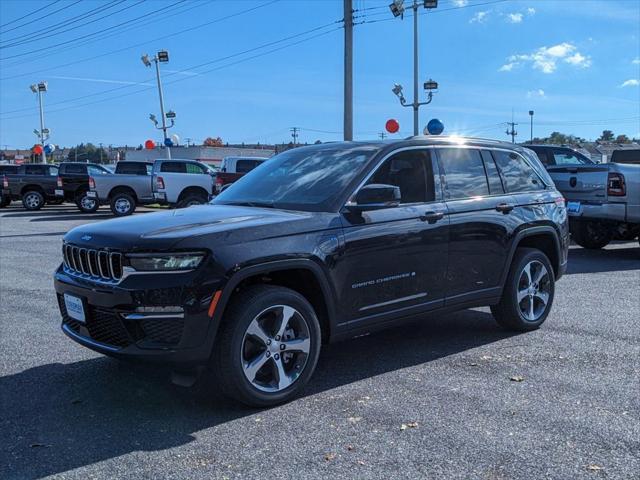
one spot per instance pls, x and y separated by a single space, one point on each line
173 167
411 171
53 171
33 170
493 176
194 168
463 172
93 171
516 173
567 157
245 166
544 158
76 168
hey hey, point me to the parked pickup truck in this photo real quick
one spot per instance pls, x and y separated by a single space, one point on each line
35 184
73 184
171 182
603 200
5 194
232 168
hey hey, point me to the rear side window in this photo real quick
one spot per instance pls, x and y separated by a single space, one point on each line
463 173
517 175
75 168
93 170
544 158
173 167
132 168
245 166
493 176
35 170
194 168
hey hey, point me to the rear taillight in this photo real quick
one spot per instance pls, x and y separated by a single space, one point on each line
615 185
92 183
59 182
560 202
5 182
160 183
219 181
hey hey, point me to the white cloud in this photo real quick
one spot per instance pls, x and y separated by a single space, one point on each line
479 17
636 61
460 3
514 17
536 93
630 83
531 11
102 80
546 59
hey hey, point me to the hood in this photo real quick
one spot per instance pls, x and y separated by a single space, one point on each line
162 230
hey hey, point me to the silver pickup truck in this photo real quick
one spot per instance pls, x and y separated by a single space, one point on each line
603 199
173 182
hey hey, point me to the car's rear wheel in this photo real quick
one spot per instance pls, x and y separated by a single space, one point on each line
33 200
267 347
122 204
591 235
86 204
528 292
191 200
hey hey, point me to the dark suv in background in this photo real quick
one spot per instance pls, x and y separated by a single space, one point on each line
318 244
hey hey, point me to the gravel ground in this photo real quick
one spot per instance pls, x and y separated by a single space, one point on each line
451 380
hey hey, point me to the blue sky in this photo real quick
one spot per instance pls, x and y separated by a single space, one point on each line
576 63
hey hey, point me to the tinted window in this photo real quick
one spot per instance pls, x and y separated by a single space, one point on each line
244 166
53 171
93 170
75 168
516 173
544 158
173 167
310 178
411 171
133 168
568 157
194 168
8 169
463 172
495 183
35 169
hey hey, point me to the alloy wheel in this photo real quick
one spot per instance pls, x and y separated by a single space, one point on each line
122 205
534 290
87 203
32 200
275 348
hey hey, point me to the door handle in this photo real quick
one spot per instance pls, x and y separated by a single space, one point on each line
432 217
504 207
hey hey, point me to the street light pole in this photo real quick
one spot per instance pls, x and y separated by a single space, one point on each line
164 119
416 104
531 115
348 70
39 88
161 56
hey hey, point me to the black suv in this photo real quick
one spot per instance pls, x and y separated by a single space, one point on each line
318 244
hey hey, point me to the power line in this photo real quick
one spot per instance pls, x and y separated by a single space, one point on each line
50 31
119 50
69 5
155 12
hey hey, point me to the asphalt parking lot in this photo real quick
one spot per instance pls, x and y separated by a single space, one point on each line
476 402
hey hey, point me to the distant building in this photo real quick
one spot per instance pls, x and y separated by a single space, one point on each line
211 155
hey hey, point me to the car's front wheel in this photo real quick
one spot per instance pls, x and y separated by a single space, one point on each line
528 292
267 347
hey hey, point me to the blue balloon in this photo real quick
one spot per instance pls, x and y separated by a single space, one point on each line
168 142
48 148
435 126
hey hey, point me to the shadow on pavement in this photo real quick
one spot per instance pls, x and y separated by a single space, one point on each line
59 417
582 260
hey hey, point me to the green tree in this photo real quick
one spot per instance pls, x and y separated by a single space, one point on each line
87 153
607 136
622 139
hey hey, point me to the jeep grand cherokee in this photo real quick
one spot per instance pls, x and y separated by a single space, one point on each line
318 244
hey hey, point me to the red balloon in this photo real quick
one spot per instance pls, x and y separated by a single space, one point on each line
149 144
392 125
37 149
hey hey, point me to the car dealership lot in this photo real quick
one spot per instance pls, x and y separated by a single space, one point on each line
475 401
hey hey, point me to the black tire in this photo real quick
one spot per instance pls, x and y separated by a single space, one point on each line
122 204
32 200
191 200
86 204
591 235
227 356
519 315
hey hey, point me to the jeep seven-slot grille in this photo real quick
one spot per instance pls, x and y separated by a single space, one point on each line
99 264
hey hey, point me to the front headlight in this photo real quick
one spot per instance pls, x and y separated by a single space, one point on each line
165 262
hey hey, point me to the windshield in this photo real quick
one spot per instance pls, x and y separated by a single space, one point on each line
307 178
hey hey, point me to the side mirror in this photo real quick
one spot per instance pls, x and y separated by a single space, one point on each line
375 197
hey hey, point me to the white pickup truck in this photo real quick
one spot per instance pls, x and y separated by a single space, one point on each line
178 183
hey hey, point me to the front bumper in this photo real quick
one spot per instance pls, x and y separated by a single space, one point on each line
115 325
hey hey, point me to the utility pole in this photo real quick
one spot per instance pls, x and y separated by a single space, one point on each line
512 132
382 135
188 140
531 115
348 70
397 9
294 134
39 88
162 56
